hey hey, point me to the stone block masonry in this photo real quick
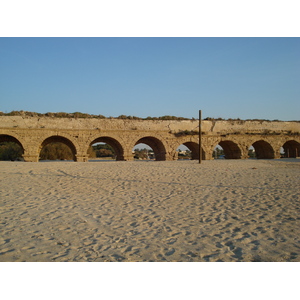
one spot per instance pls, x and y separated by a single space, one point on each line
163 136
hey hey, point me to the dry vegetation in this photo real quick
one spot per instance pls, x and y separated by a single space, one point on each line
123 117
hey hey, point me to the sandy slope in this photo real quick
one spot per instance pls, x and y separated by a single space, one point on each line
221 210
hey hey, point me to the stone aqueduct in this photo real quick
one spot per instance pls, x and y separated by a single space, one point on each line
164 137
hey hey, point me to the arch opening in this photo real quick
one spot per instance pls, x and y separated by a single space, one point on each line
291 149
251 152
57 148
105 148
158 149
143 152
228 150
10 148
261 150
189 150
218 152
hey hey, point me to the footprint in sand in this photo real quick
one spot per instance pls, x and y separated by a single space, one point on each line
170 252
230 245
238 253
191 254
134 224
171 241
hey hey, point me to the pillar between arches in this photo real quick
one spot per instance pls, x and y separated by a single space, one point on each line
30 158
277 154
244 152
30 155
128 157
82 158
169 156
209 154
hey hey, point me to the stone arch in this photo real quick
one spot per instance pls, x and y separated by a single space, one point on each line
157 146
263 150
10 138
291 148
119 150
231 149
194 148
59 139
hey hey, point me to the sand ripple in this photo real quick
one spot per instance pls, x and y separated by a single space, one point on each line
222 210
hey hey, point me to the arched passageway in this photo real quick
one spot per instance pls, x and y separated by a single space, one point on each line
218 152
251 152
291 149
143 152
10 148
191 150
231 150
263 150
57 147
115 147
156 145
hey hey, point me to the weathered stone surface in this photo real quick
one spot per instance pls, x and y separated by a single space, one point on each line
32 133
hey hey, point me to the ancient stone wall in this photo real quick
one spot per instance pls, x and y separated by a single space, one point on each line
216 126
163 136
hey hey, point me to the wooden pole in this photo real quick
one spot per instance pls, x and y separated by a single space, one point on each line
200 137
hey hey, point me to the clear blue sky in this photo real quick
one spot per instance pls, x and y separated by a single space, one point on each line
243 78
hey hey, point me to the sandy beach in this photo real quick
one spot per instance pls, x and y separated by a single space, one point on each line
221 210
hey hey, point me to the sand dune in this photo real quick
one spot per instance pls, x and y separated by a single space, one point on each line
221 210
